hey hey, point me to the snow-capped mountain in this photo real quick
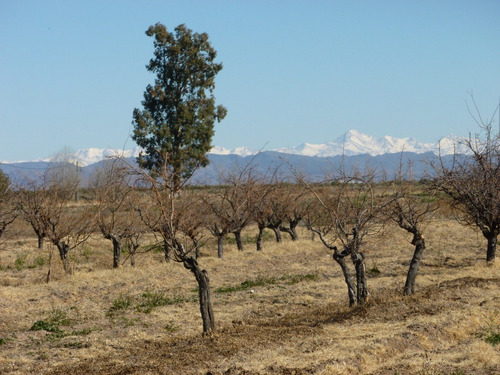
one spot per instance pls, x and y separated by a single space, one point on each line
93 155
351 143
241 151
354 142
86 156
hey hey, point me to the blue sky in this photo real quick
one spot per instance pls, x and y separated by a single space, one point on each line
71 72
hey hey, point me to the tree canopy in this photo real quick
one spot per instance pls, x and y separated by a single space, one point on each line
176 124
4 184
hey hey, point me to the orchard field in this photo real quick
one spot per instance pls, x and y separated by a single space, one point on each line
282 310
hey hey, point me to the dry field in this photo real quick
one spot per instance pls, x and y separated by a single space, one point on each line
280 311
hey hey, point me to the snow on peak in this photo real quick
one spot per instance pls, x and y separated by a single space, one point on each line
354 142
93 155
241 151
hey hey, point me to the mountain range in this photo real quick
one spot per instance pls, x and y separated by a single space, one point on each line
351 150
351 143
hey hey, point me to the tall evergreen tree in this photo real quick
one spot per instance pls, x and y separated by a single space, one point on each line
176 126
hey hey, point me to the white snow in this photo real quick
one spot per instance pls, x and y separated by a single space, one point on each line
352 142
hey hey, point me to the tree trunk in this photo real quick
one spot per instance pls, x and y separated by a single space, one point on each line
419 243
259 237
293 225
117 250
492 247
361 285
50 267
220 246
63 248
351 290
239 243
40 241
289 231
206 309
132 251
277 234
167 250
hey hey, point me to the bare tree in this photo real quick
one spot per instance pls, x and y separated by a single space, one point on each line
8 211
278 205
217 221
346 213
114 204
472 181
234 204
294 197
48 205
412 213
169 210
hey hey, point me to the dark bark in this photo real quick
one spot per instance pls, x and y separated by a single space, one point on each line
259 237
239 243
63 248
290 231
117 246
361 284
492 246
277 234
419 243
117 250
340 258
220 246
206 309
39 233
40 241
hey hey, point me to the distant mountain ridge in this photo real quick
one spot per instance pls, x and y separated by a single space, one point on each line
352 151
351 143
354 142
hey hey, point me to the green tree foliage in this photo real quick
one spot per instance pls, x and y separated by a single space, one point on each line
4 184
177 122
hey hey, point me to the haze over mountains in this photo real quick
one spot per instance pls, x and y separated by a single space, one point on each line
353 149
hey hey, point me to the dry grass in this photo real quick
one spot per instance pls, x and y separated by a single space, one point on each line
286 314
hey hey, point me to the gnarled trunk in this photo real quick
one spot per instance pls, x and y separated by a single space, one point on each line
206 309
361 284
277 234
340 258
290 231
63 248
419 243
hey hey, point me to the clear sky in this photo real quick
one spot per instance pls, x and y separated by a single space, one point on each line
71 72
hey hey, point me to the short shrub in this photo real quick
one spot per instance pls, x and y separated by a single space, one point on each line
121 303
493 338
42 325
